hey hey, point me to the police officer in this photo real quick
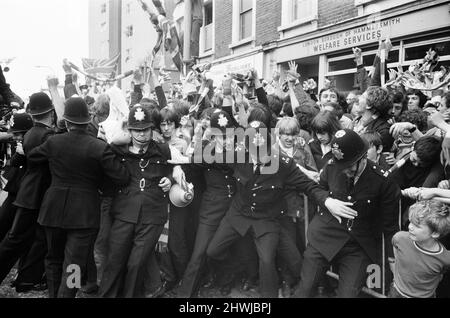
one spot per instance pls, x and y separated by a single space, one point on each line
31 192
351 238
261 179
70 211
216 199
139 210
20 123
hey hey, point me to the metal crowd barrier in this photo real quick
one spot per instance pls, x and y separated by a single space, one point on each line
333 275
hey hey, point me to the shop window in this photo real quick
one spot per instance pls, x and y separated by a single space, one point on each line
418 52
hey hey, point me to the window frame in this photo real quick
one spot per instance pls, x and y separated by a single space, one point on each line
203 51
236 25
287 15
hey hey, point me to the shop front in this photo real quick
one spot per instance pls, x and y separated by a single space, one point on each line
330 55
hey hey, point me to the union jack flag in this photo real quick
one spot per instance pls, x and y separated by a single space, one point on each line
101 66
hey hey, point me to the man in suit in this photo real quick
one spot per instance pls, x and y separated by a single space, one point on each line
25 232
351 239
70 211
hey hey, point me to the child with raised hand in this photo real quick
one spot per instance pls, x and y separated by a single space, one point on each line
420 259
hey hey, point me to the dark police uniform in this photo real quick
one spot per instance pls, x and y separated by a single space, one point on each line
70 211
28 201
140 212
352 244
256 207
216 200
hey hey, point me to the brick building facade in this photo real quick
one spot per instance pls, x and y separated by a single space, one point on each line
319 35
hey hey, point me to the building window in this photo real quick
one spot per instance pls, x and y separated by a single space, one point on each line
245 19
103 8
206 32
129 31
299 11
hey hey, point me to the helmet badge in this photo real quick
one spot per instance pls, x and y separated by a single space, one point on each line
223 121
139 115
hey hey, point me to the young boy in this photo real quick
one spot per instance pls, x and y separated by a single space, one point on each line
375 153
420 259
292 235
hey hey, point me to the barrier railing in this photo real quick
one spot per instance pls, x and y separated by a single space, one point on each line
333 275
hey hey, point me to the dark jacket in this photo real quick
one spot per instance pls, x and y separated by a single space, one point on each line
375 198
318 156
14 173
142 200
78 163
219 191
382 127
37 178
258 201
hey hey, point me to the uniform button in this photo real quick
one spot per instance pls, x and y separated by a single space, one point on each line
374 167
254 194
238 179
256 185
349 197
142 190
273 187
331 192
157 162
226 177
254 204
368 201
229 195
209 169
321 213
142 160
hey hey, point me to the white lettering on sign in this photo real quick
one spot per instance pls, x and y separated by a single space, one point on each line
350 38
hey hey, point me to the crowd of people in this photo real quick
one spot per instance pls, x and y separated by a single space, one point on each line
284 183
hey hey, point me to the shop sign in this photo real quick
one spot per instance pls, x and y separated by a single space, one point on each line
408 24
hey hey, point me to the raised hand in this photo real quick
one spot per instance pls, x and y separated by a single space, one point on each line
52 81
164 77
357 52
66 66
397 128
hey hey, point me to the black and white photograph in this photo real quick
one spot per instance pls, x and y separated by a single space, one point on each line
221 154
